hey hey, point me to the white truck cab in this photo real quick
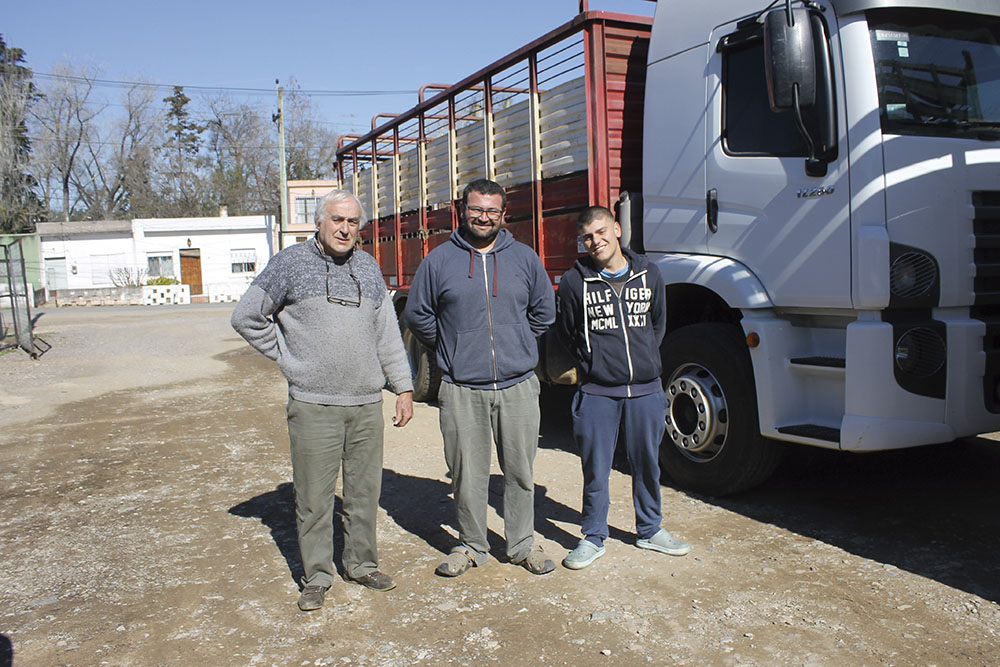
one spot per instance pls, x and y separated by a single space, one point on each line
821 191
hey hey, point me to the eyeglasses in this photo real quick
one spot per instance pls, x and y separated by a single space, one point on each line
491 213
340 300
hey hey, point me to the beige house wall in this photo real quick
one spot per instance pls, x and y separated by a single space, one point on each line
299 191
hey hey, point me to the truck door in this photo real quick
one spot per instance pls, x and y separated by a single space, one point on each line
790 229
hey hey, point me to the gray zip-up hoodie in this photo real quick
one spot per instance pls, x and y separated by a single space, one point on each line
330 353
481 312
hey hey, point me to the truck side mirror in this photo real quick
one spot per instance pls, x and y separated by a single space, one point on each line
789 59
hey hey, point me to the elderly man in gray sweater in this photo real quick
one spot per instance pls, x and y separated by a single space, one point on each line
321 310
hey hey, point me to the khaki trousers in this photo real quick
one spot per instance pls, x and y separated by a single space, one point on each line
321 438
471 421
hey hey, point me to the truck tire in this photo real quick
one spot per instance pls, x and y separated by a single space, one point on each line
423 368
712 443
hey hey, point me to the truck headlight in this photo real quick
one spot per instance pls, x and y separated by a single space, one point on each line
912 275
920 352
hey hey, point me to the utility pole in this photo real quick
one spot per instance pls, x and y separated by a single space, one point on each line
283 197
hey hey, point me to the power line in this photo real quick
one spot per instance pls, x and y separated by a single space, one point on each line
99 105
227 89
223 89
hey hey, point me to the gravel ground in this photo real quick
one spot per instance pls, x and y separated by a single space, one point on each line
146 517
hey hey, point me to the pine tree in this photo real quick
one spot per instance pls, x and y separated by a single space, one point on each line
183 146
184 134
19 203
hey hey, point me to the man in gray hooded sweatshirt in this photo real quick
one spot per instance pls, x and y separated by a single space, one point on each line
321 310
480 301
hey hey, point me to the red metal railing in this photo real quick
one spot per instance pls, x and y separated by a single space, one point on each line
606 49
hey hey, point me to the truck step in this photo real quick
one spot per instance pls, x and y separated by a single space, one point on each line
814 431
826 362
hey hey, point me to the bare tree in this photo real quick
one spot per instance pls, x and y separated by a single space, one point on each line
63 114
311 148
114 171
151 161
244 155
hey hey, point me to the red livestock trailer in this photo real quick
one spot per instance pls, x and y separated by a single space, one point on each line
557 122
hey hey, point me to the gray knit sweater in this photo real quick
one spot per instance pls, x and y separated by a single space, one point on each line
330 353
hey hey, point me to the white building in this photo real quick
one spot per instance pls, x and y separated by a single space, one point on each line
80 255
216 258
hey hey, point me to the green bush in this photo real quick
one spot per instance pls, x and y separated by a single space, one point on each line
163 280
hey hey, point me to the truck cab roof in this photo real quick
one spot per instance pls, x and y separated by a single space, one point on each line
672 36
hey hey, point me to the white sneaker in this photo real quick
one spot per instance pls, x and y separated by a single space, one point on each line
663 542
586 552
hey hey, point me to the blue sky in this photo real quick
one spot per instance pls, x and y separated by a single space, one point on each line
337 45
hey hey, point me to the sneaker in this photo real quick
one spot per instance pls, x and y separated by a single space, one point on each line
311 597
663 542
536 562
586 552
456 563
375 580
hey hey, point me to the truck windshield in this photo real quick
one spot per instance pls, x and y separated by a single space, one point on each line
938 72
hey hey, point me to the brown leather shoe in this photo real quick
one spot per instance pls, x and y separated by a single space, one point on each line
375 580
311 598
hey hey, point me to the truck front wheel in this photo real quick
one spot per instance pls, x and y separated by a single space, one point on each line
712 443
423 368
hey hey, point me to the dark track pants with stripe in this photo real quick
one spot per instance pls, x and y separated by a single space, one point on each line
596 421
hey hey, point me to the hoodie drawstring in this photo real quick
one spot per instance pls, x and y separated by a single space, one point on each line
472 265
496 257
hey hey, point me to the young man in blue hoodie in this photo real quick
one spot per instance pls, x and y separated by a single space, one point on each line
480 301
612 315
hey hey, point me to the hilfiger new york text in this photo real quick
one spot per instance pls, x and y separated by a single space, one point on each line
600 305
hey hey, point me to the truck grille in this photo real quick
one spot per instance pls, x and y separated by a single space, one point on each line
986 307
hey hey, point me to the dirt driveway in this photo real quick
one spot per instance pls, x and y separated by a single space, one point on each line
146 518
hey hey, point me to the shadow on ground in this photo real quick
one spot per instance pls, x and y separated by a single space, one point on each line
423 507
419 505
932 511
6 651
276 510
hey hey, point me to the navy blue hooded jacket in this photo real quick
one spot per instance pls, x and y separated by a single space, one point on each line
481 312
616 340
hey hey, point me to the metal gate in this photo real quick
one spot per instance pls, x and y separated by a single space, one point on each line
14 277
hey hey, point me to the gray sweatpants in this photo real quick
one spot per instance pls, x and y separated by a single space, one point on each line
471 421
321 437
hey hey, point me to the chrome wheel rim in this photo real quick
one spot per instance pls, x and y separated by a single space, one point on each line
697 419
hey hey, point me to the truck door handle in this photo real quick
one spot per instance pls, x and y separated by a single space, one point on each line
712 209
